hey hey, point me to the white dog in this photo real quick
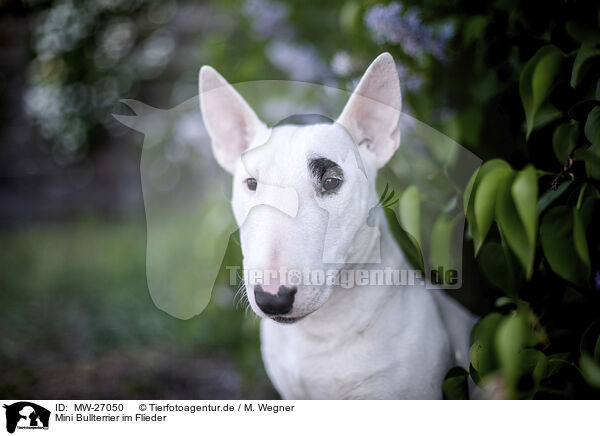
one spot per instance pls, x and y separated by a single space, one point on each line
324 341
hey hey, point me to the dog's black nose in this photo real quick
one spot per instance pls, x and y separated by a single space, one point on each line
279 304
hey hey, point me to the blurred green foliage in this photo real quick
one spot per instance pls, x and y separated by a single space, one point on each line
81 293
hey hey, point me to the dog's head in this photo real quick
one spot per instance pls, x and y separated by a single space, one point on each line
301 194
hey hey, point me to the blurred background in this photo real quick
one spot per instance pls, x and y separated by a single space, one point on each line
76 316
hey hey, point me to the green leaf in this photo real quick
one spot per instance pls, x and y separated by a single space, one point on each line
590 354
581 247
592 126
510 339
545 115
548 197
474 28
505 301
524 192
482 353
513 335
456 385
590 340
555 363
584 54
478 175
474 375
587 211
591 157
518 235
537 80
583 33
474 354
586 201
564 245
409 245
441 242
531 363
565 139
590 370
471 190
534 362
544 74
485 201
494 264
580 110
410 212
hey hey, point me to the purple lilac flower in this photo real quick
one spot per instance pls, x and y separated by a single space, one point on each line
397 25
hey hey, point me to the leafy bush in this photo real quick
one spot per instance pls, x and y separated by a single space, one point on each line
533 229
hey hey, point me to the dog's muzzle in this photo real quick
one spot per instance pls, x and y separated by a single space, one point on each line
275 304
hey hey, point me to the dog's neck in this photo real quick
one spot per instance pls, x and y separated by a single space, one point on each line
353 309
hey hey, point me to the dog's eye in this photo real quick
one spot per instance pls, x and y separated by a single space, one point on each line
251 183
331 183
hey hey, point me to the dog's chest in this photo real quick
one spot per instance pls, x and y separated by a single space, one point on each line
301 368
366 367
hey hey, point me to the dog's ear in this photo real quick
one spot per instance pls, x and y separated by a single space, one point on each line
372 113
231 124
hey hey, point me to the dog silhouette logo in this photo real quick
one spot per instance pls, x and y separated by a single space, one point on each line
26 415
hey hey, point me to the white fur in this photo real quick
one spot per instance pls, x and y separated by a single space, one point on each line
364 342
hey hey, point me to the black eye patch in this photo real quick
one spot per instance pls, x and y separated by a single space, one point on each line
324 171
319 166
